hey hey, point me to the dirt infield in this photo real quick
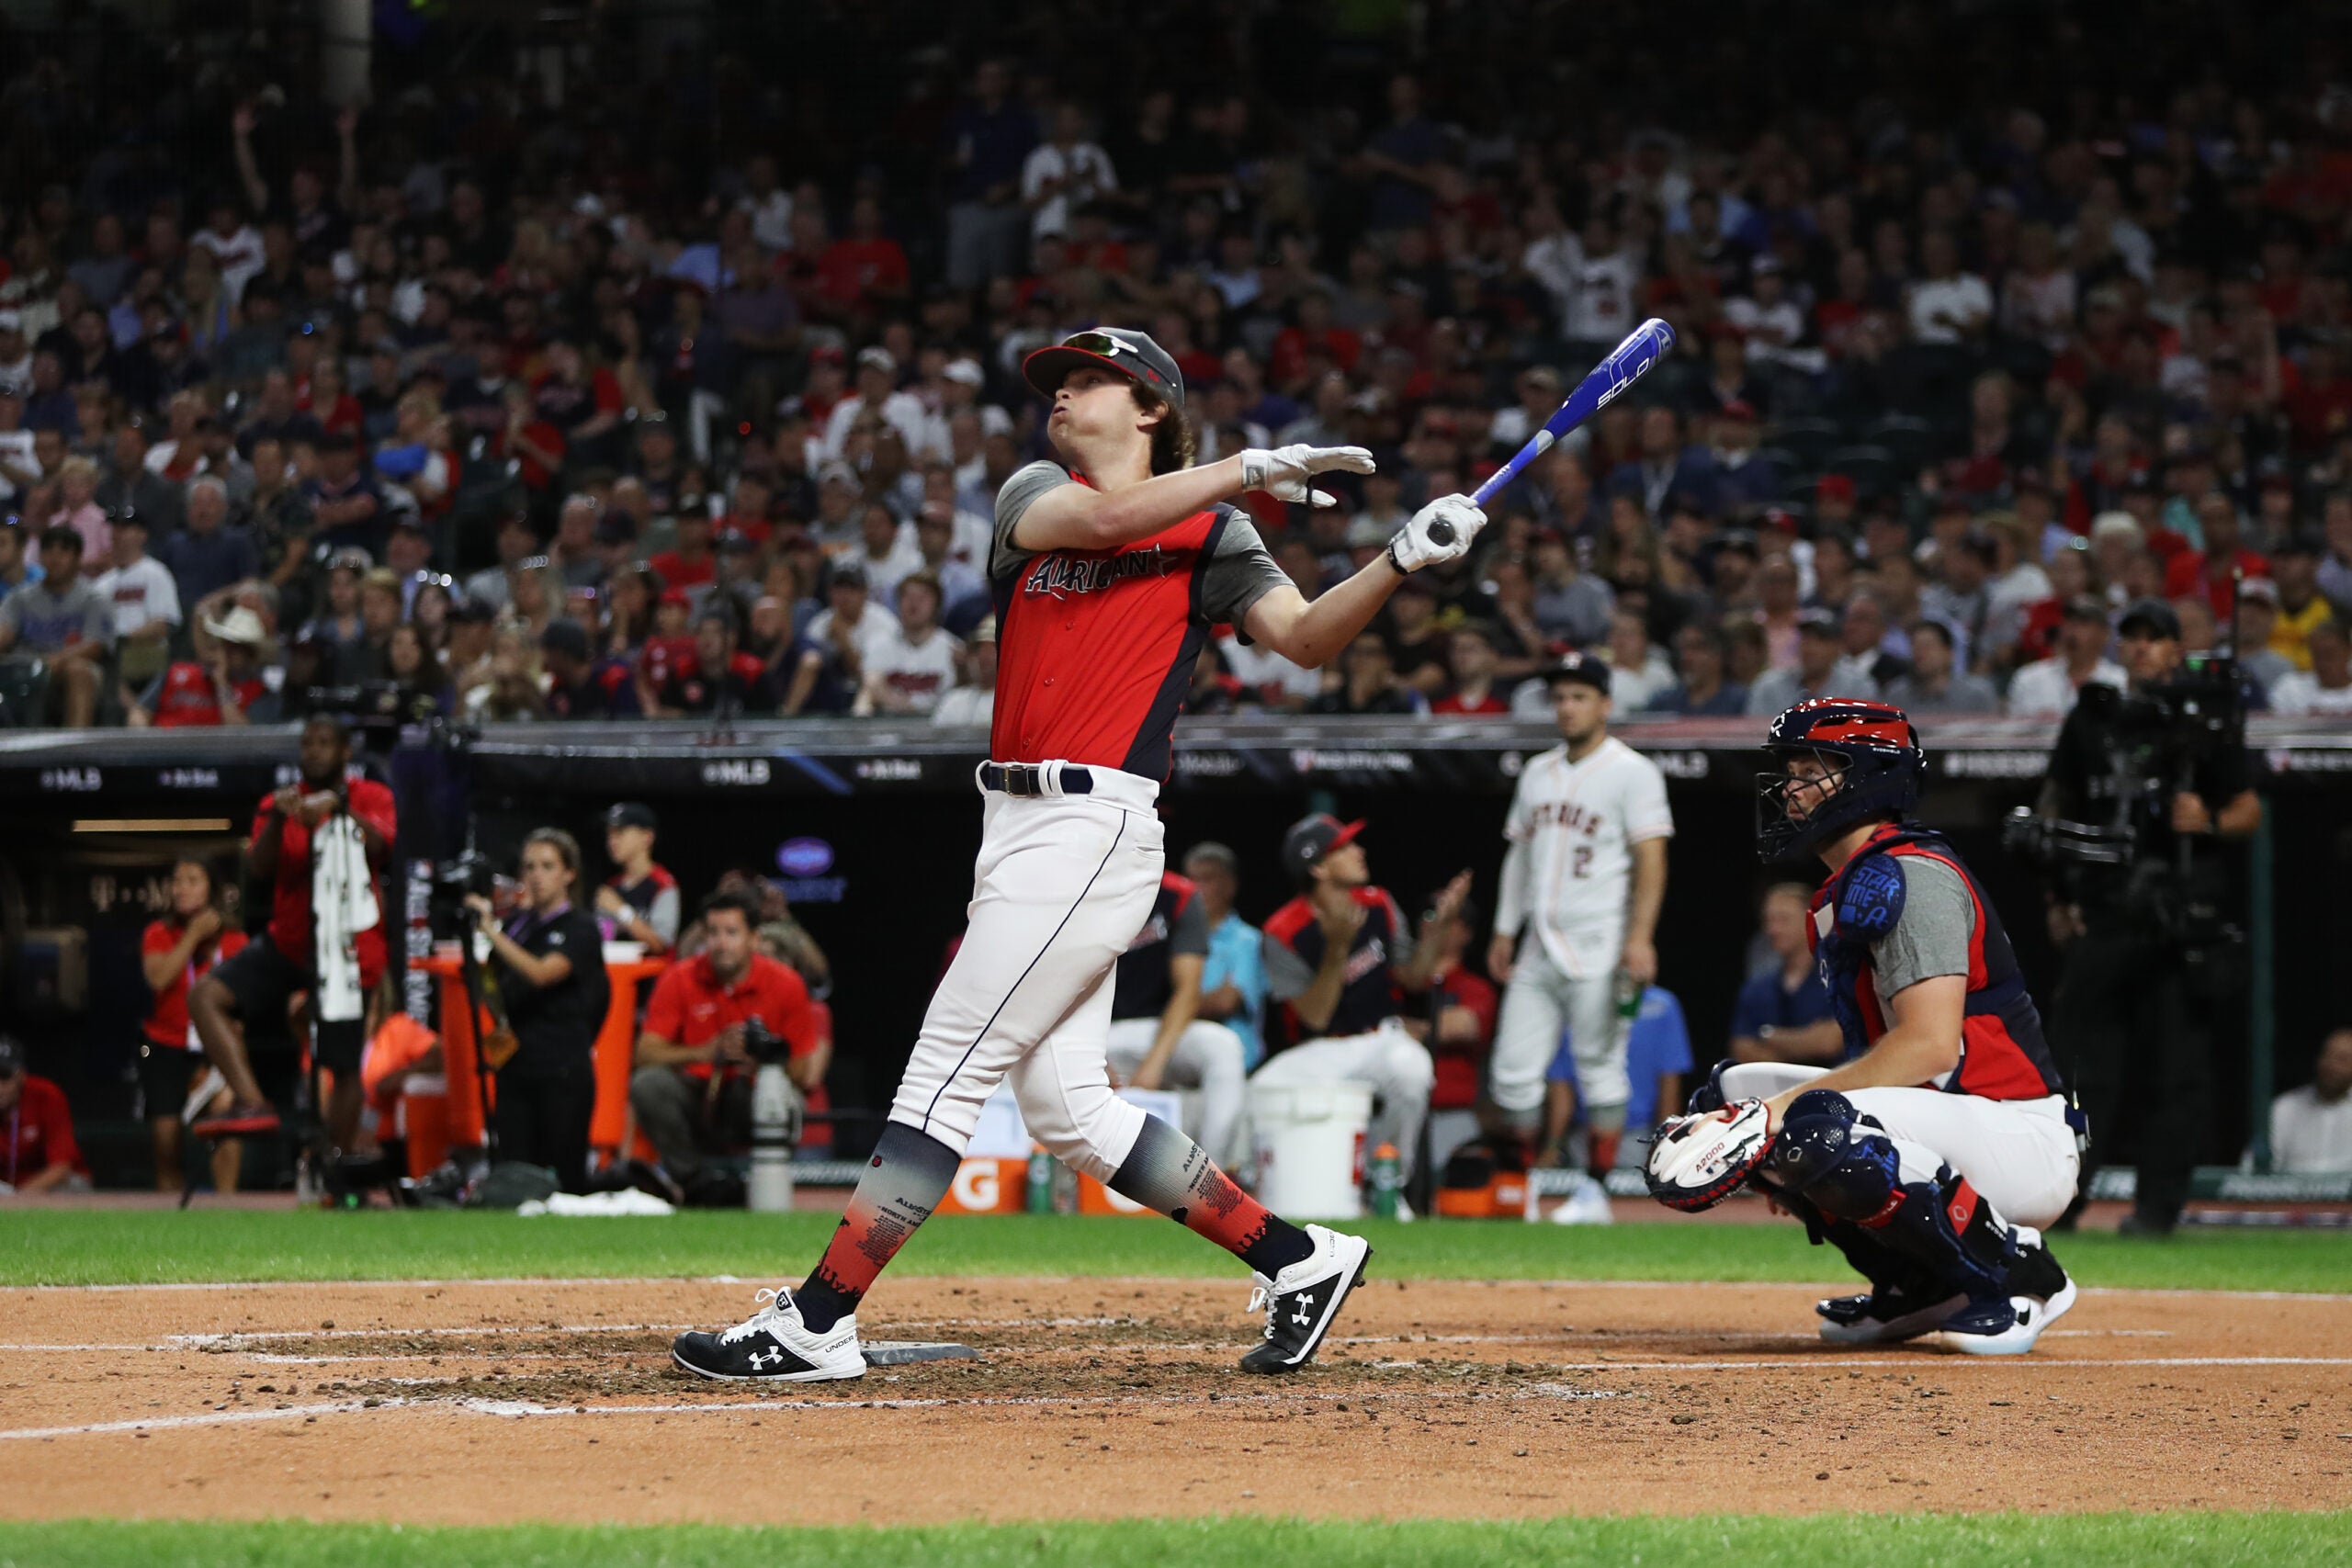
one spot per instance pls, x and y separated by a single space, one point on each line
486 1402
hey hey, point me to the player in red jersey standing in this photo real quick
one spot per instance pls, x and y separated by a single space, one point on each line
1109 568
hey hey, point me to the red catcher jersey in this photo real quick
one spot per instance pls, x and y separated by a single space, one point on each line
1095 647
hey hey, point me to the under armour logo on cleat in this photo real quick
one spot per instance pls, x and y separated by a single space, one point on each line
1302 1315
760 1359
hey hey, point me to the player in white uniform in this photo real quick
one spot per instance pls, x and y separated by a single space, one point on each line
1586 871
1109 568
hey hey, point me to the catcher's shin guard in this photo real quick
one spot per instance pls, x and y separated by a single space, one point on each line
1843 1167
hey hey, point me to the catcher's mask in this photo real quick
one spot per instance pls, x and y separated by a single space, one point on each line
1874 761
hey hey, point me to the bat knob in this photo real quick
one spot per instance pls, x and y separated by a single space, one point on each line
1440 532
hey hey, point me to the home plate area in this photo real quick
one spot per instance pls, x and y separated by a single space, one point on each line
487 1401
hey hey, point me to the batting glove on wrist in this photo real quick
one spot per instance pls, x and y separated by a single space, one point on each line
1284 472
1442 530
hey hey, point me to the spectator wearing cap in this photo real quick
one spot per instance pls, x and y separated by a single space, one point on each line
63 620
2257 623
144 599
720 678
830 669
1934 683
2326 686
1571 605
38 1153
1814 675
1743 475
1341 960
208 553
876 396
640 899
960 582
346 506
972 701
575 689
2047 688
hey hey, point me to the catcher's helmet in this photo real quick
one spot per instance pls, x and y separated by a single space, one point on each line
1878 765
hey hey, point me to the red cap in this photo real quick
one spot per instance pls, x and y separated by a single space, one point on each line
1834 487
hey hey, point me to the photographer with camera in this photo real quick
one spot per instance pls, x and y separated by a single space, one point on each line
2141 786
711 1018
547 963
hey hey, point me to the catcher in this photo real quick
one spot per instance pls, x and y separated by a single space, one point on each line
1929 1158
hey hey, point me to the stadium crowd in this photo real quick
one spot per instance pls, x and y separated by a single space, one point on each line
513 404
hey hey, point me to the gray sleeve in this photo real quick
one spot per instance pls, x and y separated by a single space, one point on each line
663 916
1287 974
1014 499
1930 937
1238 574
97 618
1190 937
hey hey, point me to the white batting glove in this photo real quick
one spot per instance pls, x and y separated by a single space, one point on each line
1284 472
1442 530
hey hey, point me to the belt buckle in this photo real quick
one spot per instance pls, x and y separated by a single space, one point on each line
1020 779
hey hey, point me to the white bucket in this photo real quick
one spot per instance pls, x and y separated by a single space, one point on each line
1308 1142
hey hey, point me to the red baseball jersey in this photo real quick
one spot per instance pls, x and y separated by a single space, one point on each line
167 1019
1095 647
691 1005
289 900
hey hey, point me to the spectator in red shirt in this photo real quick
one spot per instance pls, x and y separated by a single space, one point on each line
258 982
1471 656
692 1089
864 269
38 1153
175 952
691 564
2209 572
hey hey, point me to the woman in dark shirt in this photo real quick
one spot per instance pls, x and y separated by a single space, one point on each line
547 961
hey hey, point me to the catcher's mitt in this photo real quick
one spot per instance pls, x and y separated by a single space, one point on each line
1696 1162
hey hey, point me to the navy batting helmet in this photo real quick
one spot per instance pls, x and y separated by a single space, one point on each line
1878 764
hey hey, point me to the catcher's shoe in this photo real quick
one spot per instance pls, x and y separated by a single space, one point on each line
1302 1301
1885 1316
2040 1295
771 1346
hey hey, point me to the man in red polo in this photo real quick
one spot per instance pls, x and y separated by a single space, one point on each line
692 1089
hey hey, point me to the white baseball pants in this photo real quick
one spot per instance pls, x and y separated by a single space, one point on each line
1388 1061
1540 1001
2018 1153
1209 1057
1062 885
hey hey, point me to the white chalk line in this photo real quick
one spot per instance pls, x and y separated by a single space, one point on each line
1008 1282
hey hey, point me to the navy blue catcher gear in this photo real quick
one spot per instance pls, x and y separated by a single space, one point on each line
1878 764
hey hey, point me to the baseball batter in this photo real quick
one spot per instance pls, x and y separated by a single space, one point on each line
1587 870
1109 568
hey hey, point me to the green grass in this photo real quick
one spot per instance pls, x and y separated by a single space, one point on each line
1998 1540
135 1247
